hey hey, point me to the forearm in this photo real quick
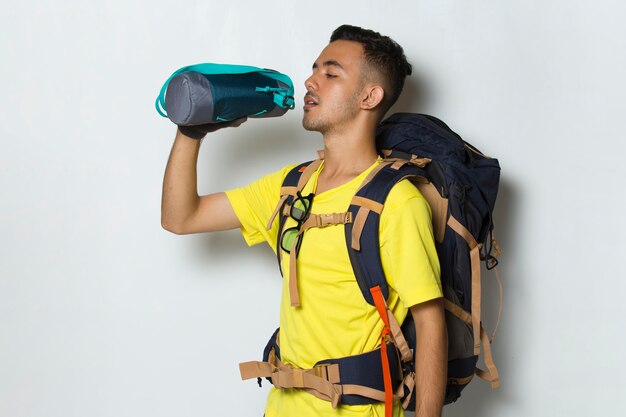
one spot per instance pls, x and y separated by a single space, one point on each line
180 195
431 357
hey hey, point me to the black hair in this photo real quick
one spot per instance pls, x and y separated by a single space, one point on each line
383 55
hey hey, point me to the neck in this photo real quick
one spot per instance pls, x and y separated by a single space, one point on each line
347 153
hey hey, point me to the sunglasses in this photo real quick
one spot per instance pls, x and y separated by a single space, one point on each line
299 211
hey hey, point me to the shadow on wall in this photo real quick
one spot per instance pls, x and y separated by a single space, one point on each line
415 95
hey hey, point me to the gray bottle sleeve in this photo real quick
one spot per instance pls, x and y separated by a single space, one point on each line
189 99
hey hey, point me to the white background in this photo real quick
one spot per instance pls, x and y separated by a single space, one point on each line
103 313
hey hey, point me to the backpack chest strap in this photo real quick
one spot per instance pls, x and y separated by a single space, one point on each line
324 220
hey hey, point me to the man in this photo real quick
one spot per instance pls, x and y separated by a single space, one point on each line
354 81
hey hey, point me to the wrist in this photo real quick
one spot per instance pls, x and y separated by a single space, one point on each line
191 133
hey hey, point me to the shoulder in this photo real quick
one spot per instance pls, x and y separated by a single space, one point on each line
405 195
265 188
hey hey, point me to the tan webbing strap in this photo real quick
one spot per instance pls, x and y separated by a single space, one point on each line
476 291
328 372
287 377
255 369
415 160
378 395
409 382
491 374
308 171
324 220
294 296
372 173
321 381
398 338
476 286
357 227
458 311
495 245
298 378
399 163
462 230
372 205
439 207
365 206
349 389
419 162
282 200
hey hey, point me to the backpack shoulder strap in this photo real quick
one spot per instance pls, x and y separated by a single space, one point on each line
294 182
362 235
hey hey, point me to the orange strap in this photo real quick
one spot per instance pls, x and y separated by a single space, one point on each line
381 306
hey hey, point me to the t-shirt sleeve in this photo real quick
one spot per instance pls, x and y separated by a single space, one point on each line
254 204
408 251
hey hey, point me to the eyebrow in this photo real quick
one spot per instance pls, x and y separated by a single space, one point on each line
329 63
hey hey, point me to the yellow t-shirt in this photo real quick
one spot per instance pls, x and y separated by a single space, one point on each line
334 320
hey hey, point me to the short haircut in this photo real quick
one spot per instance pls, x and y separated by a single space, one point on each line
383 55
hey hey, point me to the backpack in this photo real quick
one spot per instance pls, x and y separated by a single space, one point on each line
460 184
212 93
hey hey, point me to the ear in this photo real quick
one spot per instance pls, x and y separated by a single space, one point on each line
373 95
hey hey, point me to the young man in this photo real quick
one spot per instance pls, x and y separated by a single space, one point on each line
354 81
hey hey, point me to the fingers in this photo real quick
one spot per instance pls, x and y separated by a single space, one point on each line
199 131
237 122
212 127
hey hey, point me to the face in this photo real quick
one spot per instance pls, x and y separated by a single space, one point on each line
332 98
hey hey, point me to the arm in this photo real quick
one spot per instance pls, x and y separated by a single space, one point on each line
182 210
431 357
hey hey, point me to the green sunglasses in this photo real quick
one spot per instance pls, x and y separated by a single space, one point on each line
299 211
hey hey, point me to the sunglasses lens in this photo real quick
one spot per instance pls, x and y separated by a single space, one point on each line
290 238
300 209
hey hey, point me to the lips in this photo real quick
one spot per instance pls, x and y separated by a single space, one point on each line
310 101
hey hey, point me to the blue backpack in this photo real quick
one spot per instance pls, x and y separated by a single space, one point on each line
461 185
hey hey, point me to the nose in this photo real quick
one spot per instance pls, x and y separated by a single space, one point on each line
310 83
